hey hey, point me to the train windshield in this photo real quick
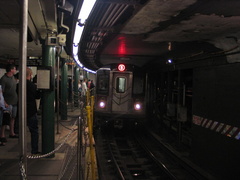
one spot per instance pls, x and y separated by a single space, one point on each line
121 84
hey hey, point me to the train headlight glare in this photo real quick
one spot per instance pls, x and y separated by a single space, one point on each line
102 104
137 106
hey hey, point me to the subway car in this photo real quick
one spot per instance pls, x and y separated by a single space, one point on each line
120 96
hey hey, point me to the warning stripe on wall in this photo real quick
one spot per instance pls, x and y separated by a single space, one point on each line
224 129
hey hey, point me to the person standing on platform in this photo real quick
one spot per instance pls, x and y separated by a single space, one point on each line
92 86
32 121
2 107
9 84
89 84
84 91
84 87
16 122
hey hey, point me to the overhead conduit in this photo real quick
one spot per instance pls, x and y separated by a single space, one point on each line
62 17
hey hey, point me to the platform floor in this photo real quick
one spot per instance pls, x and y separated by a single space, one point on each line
62 166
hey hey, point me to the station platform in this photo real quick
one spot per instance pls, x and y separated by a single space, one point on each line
63 166
63 163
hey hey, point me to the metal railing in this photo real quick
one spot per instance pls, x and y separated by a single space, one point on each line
84 139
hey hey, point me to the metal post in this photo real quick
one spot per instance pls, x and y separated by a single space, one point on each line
80 144
88 108
72 92
79 148
58 87
64 91
171 106
170 87
92 108
161 103
76 79
88 97
22 88
184 95
179 105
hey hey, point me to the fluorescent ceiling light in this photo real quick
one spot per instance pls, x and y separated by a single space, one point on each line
82 17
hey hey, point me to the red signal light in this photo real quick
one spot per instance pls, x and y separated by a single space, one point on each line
121 67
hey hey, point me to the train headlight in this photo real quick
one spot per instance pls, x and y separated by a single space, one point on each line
102 104
138 106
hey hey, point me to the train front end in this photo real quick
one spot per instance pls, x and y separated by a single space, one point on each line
120 96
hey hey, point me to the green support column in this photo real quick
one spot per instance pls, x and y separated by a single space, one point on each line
48 116
75 87
64 85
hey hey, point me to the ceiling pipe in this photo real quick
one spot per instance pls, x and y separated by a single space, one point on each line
62 25
122 11
118 13
63 3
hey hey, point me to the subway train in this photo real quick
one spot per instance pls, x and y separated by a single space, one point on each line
120 96
189 49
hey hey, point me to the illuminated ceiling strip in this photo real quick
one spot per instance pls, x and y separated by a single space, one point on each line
83 15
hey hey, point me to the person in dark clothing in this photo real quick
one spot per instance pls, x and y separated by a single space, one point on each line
16 122
92 86
32 121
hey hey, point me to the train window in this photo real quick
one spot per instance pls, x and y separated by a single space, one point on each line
103 83
121 84
138 84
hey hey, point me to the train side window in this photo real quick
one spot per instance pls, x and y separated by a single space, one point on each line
103 84
138 84
121 84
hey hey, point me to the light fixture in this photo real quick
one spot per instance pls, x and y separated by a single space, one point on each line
80 23
121 67
83 15
169 61
102 104
138 106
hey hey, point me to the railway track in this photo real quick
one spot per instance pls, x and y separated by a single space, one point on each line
136 155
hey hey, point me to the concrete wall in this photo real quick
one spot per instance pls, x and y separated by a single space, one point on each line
216 119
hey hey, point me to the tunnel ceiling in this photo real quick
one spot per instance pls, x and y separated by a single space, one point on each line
142 32
45 18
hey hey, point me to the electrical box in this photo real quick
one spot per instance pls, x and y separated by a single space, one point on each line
62 39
